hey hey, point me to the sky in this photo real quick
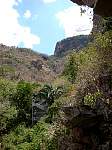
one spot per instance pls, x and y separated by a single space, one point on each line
39 24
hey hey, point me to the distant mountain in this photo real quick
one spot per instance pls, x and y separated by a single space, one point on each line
76 42
24 64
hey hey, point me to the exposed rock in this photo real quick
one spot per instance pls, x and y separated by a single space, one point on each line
37 64
90 3
39 108
76 43
24 64
101 7
88 128
98 26
80 117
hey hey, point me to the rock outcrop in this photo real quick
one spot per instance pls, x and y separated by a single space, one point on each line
68 44
101 7
98 26
89 128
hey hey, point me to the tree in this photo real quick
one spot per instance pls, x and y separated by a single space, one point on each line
71 68
22 99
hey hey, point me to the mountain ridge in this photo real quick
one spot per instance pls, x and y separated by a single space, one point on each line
26 64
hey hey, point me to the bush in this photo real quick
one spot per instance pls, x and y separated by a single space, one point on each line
49 93
95 67
22 97
22 100
91 99
6 88
71 68
7 119
6 71
24 138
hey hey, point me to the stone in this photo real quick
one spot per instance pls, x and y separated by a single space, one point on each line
37 64
72 43
98 26
101 7
88 126
80 117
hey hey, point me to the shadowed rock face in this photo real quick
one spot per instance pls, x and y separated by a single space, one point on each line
102 7
89 3
79 2
89 127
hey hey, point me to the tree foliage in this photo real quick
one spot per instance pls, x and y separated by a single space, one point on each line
71 68
50 94
90 71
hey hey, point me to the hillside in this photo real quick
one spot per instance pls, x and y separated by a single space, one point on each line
74 111
71 107
24 64
64 48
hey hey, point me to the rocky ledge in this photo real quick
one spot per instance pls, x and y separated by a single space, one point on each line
90 128
101 7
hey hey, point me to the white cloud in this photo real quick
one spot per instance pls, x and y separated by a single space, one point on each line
11 32
27 14
49 1
73 22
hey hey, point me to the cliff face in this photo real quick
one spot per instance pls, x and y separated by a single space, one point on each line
89 3
97 24
101 7
76 42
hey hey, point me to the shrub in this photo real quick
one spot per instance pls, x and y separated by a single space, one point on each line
7 119
50 94
71 68
35 138
6 88
91 99
22 97
22 100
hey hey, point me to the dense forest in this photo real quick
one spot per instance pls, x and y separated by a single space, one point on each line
71 112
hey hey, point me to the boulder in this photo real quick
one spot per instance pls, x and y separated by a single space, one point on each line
88 128
80 117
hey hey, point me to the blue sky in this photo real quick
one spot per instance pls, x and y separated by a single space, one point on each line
39 24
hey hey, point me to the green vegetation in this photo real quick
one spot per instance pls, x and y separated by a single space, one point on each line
50 94
86 79
71 68
6 70
91 99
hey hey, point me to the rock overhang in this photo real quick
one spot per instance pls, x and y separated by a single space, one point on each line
101 7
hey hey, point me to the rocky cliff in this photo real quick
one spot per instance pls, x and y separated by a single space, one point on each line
76 43
101 7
